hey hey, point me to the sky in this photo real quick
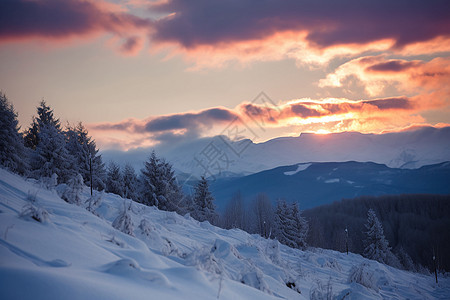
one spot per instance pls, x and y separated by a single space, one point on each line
140 73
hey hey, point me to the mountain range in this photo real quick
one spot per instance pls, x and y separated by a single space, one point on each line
221 157
314 184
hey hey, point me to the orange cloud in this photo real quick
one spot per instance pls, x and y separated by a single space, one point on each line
291 117
377 73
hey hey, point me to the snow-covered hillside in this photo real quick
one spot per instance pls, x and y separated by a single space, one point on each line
76 254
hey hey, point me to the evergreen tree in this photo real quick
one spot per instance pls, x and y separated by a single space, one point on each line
123 222
130 183
158 184
50 155
45 117
84 150
13 154
301 227
291 227
72 193
114 182
204 209
376 245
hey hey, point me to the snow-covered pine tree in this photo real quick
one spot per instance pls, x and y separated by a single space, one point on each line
130 183
158 184
123 222
50 155
13 154
376 246
291 227
45 117
204 209
72 193
114 182
301 226
84 150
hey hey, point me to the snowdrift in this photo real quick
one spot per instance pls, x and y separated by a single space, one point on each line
50 249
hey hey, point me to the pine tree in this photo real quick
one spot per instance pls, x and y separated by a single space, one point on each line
376 246
158 184
84 150
204 209
46 139
45 117
72 193
50 155
114 182
130 183
301 226
291 227
13 154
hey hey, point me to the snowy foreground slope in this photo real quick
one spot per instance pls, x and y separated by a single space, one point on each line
75 254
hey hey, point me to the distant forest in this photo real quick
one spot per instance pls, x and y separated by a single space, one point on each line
416 224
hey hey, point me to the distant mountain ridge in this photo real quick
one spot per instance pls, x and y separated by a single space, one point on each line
315 184
407 149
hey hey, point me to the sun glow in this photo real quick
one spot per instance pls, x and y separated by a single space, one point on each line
322 131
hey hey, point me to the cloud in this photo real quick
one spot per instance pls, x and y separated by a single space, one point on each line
376 74
327 22
56 20
308 31
216 33
290 117
206 118
163 129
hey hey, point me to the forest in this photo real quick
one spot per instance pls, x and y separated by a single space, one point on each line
416 226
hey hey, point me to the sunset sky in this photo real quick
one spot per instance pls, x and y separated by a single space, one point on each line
140 72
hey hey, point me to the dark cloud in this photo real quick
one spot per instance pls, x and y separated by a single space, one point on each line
127 125
391 103
304 111
392 66
130 45
190 121
328 22
56 19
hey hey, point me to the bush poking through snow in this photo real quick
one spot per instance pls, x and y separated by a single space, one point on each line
145 227
94 201
29 211
32 196
123 222
72 193
50 182
321 291
273 251
255 278
363 275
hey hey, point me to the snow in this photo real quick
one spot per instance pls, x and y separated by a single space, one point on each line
300 167
76 254
333 180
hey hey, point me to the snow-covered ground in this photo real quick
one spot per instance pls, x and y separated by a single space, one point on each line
76 254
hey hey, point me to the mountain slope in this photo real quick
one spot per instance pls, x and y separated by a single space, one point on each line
314 184
75 254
